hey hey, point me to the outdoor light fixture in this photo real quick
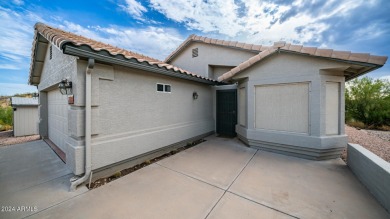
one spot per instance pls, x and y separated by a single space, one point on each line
195 95
65 87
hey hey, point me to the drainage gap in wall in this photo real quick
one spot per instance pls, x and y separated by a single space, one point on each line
99 182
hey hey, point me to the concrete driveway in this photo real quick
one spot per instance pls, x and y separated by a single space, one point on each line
221 178
32 178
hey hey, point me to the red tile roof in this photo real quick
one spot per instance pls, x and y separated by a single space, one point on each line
59 38
312 51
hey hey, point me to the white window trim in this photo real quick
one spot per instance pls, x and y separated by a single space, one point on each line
163 88
170 89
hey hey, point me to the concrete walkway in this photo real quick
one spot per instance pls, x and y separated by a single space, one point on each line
32 178
221 178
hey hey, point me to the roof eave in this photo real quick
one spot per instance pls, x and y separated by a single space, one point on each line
370 66
38 57
348 78
104 57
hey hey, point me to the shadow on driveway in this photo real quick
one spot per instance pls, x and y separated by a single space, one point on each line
32 178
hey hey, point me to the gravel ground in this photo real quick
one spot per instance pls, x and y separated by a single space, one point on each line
378 142
17 140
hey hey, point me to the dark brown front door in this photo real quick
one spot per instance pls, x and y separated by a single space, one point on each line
226 112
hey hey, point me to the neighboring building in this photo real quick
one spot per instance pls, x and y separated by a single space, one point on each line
125 105
25 119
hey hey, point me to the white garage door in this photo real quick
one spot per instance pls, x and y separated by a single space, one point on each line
58 118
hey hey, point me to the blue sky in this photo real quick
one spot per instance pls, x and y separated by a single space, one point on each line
156 27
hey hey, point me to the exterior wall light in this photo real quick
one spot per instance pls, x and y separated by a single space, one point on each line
195 95
65 87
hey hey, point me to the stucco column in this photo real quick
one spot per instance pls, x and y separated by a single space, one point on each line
43 114
317 111
251 107
342 107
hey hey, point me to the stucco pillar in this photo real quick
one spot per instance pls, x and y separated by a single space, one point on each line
43 115
317 112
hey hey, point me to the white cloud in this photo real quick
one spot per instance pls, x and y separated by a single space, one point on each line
152 41
209 16
256 21
9 66
134 8
16 37
386 77
17 30
78 29
7 89
18 2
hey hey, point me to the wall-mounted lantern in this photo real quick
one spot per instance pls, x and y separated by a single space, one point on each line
195 95
65 87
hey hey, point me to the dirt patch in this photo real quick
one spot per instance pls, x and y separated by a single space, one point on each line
7 140
378 142
99 182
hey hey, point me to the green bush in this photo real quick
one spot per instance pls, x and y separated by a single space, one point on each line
6 118
368 101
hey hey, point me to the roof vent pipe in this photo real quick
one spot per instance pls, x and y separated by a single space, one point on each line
88 161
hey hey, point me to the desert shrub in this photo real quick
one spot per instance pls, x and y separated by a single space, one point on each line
368 101
6 117
356 124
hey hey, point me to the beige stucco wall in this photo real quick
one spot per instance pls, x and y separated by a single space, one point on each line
54 70
129 118
209 55
242 106
134 118
332 106
59 67
282 68
217 71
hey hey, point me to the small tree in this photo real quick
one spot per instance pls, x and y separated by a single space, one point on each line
368 101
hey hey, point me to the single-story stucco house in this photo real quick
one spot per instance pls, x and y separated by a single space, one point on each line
123 105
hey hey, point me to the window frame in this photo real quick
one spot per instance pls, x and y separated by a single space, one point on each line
170 88
164 88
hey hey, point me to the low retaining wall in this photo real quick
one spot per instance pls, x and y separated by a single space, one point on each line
372 171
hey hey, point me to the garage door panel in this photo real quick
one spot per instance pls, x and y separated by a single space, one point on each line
282 107
58 118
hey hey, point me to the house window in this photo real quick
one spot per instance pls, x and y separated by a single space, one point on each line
160 87
165 88
194 52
